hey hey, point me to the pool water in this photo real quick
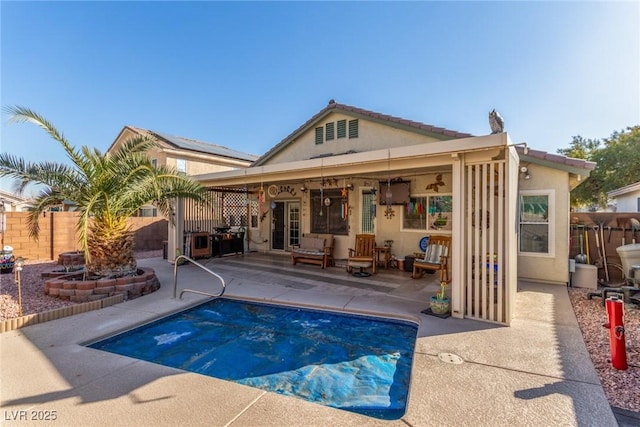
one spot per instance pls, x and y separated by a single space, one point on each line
357 363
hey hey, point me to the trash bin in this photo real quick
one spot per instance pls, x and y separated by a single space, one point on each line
400 262
408 263
629 255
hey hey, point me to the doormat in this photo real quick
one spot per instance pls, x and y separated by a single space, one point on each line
431 313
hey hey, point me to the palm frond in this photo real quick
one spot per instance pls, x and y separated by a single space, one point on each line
21 114
45 200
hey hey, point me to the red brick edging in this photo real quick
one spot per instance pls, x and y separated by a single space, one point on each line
91 294
68 287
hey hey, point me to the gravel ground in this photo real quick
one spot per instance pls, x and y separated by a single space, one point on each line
32 289
621 387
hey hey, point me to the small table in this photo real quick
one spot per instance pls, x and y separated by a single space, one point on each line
386 251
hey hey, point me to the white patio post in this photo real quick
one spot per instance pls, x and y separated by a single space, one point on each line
176 230
457 237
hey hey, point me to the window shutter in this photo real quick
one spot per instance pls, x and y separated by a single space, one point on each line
319 135
353 128
342 128
330 131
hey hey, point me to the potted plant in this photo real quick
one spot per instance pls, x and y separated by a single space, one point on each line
439 302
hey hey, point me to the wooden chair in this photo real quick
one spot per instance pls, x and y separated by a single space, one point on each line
435 258
364 254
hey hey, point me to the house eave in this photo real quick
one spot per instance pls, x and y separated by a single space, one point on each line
370 161
624 190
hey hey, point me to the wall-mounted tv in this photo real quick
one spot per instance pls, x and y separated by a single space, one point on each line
400 192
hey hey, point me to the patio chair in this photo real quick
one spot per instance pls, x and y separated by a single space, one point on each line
436 258
363 256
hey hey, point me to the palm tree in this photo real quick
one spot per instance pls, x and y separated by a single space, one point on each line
107 188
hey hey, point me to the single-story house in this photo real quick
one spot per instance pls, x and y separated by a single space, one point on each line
349 170
11 202
627 198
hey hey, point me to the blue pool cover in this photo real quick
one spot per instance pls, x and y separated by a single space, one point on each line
357 363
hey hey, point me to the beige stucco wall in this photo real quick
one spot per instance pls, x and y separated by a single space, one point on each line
371 136
194 167
551 268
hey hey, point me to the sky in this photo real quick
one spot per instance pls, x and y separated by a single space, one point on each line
246 74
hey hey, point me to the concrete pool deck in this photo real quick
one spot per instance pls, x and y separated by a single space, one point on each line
536 372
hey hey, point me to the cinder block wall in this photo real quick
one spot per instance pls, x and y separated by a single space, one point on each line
58 234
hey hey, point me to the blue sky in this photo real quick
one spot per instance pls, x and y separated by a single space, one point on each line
246 74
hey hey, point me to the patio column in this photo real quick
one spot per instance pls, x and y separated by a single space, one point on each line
457 237
176 230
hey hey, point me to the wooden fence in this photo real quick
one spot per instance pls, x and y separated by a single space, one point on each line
58 234
585 229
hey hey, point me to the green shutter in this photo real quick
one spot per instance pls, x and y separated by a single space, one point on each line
319 135
342 128
353 128
331 131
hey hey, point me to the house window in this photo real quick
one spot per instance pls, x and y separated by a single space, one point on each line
424 213
148 212
330 128
368 212
255 208
353 128
536 222
326 213
181 166
154 163
342 128
319 135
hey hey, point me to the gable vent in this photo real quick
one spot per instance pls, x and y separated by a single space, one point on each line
319 135
353 128
342 128
330 128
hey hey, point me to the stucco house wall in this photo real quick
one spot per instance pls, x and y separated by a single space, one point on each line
371 136
552 267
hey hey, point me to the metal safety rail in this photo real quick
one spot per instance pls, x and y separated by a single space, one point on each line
175 278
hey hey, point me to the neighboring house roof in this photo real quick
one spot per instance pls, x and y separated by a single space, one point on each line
385 119
13 199
624 190
193 145
557 161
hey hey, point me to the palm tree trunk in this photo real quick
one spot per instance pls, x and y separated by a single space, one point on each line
110 253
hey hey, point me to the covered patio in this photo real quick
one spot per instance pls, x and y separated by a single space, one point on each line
466 188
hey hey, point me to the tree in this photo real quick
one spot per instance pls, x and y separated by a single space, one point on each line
617 165
107 189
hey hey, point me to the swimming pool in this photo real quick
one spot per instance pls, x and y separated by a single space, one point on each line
357 363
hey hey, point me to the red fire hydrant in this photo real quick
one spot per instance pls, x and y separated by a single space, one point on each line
615 324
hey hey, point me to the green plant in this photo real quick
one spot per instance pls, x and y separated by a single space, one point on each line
441 295
107 188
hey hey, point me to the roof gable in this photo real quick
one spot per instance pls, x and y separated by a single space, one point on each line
625 190
187 144
355 112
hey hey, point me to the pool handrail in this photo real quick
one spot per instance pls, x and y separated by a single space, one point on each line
175 278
